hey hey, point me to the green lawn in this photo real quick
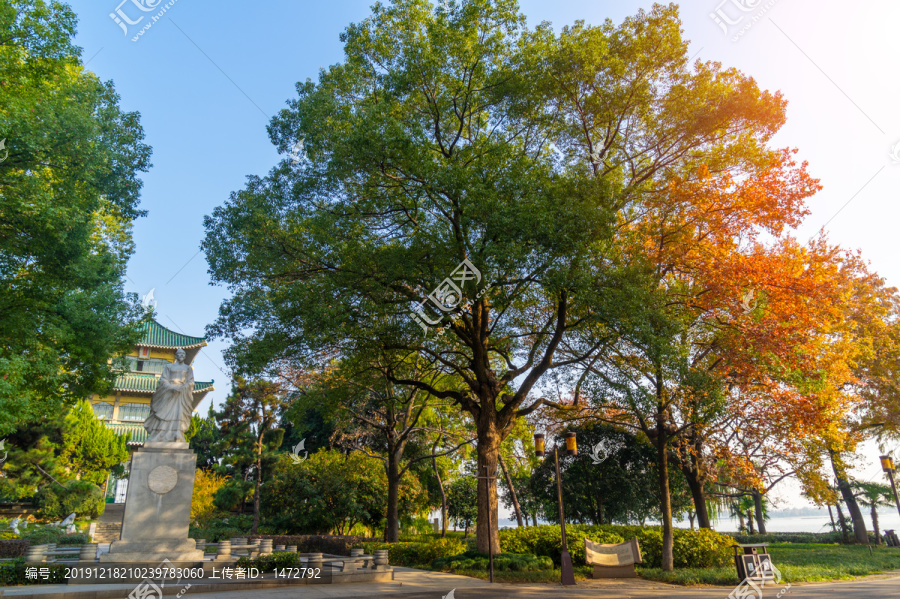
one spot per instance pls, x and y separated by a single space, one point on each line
798 563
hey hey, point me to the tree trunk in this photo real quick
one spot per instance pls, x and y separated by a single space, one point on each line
488 449
750 522
534 519
698 495
392 530
665 499
875 524
466 532
691 518
843 522
512 490
740 515
831 515
859 524
256 498
758 508
443 497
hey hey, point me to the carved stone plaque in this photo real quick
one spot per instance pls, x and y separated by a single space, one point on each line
162 479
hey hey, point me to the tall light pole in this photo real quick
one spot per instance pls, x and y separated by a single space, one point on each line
567 574
887 464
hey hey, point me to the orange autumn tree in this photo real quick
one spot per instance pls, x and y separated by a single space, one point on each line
704 278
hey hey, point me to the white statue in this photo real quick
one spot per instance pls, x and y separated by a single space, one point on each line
172 403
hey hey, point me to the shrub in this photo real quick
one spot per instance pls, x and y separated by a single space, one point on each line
787 537
13 574
547 541
43 535
418 554
206 484
268 563
214 535
83 498
74 539
503 562
692 548
13 548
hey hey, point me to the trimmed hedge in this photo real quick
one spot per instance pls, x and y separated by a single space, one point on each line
503 562
788 537
268 563
14 548
74 539
547 541
418 554
692 548
335 545
13 574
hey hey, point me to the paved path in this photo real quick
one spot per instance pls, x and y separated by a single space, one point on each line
414 584
417 584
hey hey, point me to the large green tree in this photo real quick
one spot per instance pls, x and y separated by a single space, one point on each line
250 435
377 417
452 132
68 195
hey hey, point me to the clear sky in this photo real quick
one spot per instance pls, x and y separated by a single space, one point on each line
206 78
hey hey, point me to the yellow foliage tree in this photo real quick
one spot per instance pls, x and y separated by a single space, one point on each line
205 486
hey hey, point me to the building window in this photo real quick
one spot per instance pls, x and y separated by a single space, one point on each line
154 365
103 410
134 411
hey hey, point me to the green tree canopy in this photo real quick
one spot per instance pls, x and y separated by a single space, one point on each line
331 492
452 132
68 195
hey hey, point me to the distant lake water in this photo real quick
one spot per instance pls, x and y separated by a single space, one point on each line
822 523
809 523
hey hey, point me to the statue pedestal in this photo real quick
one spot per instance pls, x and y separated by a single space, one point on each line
158 507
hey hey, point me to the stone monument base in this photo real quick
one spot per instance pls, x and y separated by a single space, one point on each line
153 550
158 507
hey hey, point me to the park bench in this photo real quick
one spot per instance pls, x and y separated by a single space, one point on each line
613 561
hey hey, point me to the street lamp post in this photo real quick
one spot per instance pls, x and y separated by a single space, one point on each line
567 574
887 464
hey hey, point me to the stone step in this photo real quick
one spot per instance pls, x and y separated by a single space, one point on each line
106 532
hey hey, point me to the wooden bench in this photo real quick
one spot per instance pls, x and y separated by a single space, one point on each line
613 561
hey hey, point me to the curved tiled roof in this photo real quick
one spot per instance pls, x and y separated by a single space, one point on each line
137 430
146 383
154 334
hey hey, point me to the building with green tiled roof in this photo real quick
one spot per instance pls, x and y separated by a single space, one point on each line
126 409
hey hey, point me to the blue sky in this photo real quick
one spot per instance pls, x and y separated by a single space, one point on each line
207 77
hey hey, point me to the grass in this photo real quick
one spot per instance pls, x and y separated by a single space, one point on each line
798 562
